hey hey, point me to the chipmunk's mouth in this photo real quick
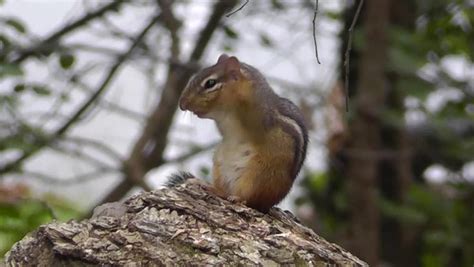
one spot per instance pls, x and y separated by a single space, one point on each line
200 114
197 112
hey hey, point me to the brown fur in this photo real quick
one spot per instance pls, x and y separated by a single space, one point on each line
266 180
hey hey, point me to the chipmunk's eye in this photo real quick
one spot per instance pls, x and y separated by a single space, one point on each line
210 83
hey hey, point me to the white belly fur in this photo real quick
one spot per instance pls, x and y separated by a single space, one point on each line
234 153
232 158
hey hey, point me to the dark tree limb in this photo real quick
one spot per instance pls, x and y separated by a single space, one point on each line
178 227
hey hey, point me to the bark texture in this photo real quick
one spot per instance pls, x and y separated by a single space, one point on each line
180 226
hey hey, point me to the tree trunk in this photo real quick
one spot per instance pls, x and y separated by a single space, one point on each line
363 162
184 225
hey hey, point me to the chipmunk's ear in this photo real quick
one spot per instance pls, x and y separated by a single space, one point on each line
222 58
232 64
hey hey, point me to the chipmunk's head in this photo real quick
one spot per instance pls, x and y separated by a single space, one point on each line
215 88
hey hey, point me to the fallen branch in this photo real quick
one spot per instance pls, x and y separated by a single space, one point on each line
178 227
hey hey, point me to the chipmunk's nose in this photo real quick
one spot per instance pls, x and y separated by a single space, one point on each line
183 103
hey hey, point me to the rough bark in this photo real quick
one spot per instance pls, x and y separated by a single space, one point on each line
184 225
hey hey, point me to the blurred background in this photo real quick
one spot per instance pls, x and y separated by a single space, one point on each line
89 90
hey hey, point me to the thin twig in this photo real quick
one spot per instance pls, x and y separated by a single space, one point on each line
109 105
238 9
52 180
84 157
314 31
100 146
347 54
190 154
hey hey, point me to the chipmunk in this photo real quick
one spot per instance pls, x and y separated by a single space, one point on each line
264 136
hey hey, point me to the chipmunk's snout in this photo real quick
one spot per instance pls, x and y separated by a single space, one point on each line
184 103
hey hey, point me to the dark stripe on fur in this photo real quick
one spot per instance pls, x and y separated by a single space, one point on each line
291 111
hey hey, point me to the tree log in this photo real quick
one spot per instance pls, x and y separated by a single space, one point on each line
184 225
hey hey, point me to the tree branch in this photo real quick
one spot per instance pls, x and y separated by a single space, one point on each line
238 9
85 106
314 31
54 37
106 104
96 145
81 178
171 23
190 154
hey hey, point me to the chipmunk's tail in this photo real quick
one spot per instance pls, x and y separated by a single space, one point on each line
176 179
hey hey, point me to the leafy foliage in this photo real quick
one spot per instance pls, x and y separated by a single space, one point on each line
21 214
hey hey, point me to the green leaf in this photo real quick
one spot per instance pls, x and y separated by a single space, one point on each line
230 32
404 213
319 181
11 100
66 61
19 88
276 4
228 48
453 109
265 40
414 86
4 41
334 15
18 26
359 40
404 61
204 170
10 70
64 96
41 90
